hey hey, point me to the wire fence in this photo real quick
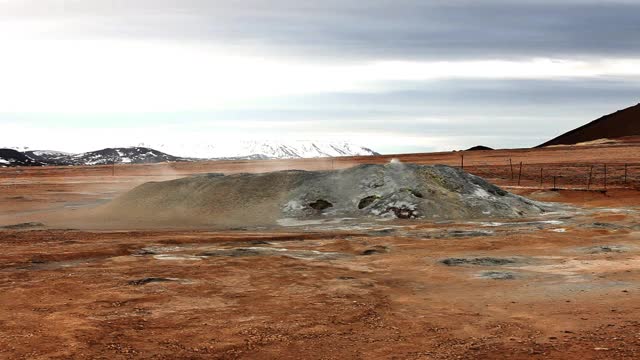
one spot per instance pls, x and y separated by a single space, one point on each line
597 177
512 172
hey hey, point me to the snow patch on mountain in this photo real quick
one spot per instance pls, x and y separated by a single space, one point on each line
48 153
264 150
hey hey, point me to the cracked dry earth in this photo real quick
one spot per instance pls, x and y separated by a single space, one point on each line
564 286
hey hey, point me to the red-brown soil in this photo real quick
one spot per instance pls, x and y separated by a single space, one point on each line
72 294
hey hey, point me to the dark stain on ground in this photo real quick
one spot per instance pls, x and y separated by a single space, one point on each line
498 275
239 252
602 225
346 278
606 249
458 234
148 280
381 232
375 250
479 261
143 252
23 226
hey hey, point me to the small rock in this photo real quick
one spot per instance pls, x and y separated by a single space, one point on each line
145 281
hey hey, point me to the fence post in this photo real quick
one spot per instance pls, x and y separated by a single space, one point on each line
554 182
511 165
540 178
590 176
605 177
462 161
520 173
625 173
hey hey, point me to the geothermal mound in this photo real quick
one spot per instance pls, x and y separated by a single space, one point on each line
394 190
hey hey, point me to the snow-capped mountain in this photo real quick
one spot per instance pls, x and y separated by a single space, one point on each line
50 157
264 150
10 157
249 150
132 155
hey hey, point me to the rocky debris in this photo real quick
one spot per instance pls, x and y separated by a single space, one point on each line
479 261
237 252
177 257
403 212
394 190
378 249
498 275
255 242
381 232
148 280
603 249
468 233
540 225
601 225
264 251
23 226
447 234
43 264
143 252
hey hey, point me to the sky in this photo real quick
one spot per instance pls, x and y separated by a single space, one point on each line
392 75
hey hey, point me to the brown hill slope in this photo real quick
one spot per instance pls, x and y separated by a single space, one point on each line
619 124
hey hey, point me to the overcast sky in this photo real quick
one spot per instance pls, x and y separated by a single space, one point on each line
392 75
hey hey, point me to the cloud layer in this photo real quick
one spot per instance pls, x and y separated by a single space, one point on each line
411 74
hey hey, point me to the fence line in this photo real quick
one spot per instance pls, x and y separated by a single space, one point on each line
600 177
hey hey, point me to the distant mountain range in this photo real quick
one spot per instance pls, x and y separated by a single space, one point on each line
623 123
11 157
133 155
263 150
147 155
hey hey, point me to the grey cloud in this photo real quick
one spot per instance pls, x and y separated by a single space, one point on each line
492 112
343 30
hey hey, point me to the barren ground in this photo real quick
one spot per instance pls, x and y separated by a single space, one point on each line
563 286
